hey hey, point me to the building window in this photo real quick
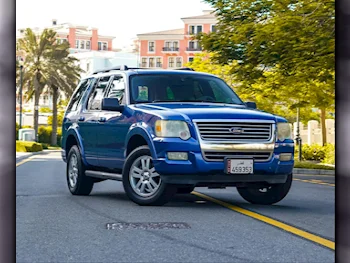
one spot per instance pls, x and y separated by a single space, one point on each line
213 28
159 63
102 45
82 44
192 44
171 62
193 30
190 59
151 62
179 62
88 44
171 46
151 46
144 62
76 43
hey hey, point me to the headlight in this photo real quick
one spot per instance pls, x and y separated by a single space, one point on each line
178 129
283 131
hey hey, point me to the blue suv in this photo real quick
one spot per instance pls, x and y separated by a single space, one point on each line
163 132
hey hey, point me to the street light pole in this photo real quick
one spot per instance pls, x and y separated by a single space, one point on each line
298 138
20 96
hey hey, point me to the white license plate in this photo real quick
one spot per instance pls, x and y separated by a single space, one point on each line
239 166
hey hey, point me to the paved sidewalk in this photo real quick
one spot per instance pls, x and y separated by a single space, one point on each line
24 155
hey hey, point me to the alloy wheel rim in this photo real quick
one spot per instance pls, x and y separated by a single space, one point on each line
144 179
73 171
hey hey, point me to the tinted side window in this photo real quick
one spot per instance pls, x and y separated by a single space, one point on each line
96 96
117 89
78 94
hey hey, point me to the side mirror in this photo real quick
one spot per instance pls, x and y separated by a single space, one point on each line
111 104
251 105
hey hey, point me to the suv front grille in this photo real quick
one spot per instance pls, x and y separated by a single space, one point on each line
235 131
215 156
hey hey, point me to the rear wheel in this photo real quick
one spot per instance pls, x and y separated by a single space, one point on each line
266 196
78 183
142 183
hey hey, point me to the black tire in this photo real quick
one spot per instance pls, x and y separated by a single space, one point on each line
185 190
84 184
162 195
274 193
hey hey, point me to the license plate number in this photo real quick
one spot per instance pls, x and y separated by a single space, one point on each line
239 166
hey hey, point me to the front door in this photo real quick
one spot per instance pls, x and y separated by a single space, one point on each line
113 129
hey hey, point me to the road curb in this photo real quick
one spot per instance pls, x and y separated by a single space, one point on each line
21 158
313 171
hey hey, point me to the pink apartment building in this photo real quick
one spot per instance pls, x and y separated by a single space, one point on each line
80 38
174 48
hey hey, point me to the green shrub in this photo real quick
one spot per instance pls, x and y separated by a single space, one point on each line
45 110
24 146
44 135
317 153
329 154
59 119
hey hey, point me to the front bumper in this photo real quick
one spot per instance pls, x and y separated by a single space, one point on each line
221 180
200 172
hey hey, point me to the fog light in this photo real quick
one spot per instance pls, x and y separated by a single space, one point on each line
285 157
178 156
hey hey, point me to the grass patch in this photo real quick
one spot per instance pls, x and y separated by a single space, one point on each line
24 146
309 165
54 147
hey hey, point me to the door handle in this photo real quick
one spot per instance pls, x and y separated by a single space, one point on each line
102 119
81 118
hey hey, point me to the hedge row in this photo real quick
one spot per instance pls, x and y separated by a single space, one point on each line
44 135
318 153
23 146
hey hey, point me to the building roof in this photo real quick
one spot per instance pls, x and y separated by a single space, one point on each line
179 31
205 16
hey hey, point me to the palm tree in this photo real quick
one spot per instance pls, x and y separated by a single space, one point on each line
48 66
63 76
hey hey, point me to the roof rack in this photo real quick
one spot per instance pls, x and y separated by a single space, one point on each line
191 69
122 67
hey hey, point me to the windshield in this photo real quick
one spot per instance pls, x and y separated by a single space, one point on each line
180 88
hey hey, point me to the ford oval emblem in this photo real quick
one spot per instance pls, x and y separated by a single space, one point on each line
236 130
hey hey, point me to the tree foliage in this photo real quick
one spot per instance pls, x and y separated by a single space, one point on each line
282 50
47 66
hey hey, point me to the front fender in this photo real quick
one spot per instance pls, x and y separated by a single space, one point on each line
73 130
138 129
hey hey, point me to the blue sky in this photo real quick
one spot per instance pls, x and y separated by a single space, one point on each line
123 19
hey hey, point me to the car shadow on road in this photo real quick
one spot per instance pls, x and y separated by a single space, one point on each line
179 200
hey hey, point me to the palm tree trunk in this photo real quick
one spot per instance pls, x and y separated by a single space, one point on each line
36 105
323 126
54 115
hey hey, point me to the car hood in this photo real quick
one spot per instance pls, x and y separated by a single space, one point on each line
192 111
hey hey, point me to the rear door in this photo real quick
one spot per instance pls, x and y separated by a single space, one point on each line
88 120
71 115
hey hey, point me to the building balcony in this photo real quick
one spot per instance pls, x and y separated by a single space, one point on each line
194 49
171 49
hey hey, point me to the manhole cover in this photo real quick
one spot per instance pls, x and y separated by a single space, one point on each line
146 226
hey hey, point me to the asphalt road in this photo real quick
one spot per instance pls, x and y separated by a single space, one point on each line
214 225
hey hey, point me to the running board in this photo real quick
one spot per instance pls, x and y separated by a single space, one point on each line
104 175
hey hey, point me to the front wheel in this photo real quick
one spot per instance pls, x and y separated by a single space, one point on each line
266 196
142 184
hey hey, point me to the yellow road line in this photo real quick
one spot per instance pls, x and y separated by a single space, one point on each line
314 181
25 160
270 221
